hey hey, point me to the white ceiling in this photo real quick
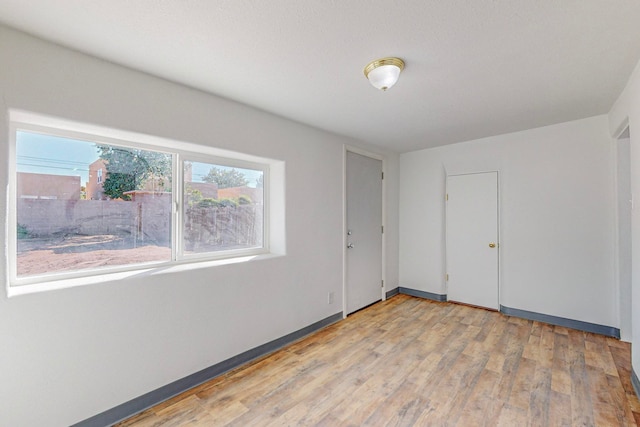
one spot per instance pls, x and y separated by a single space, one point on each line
474 68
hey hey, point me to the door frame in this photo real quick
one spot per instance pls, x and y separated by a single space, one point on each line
499 237
360 151
624 326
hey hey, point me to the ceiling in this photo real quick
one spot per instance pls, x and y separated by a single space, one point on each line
474 68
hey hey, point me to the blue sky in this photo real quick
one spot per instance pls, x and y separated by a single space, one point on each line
46 154
54 155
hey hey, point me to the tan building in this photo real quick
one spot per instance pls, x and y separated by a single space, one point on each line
206 189
45 186
97 175
255 194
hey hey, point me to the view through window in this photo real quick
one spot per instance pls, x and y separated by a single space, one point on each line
83 205
223 208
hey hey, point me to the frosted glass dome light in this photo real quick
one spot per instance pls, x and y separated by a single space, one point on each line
384 73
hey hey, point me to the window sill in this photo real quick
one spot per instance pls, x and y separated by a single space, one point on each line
52 285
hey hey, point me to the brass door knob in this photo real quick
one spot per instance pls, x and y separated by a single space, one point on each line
492 245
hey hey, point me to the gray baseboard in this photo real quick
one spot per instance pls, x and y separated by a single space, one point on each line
635 382
139 404
422 294
393 292
561 321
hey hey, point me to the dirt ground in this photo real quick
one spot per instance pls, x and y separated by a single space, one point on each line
38 256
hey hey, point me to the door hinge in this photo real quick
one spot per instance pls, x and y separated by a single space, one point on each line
447 277
446 197
382 229
382 285
382 175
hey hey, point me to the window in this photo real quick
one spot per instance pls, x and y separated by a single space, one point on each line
86 204
223 208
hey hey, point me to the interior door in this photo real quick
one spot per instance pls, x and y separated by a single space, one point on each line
364 231
472 239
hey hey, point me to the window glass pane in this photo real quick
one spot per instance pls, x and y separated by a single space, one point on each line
223 208
82 205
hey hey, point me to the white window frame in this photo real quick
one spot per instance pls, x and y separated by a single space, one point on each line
180 153
232 163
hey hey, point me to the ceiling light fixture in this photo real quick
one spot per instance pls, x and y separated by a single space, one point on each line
383 73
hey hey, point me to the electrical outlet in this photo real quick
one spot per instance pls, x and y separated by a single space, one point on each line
330 298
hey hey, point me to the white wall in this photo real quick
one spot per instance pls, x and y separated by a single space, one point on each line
69 354
556 217
626 112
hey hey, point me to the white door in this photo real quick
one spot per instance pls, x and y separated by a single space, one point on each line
472 239
364 231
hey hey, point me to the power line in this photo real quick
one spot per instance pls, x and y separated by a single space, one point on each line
49 160
53 167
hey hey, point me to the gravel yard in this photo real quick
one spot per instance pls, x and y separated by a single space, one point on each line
38 256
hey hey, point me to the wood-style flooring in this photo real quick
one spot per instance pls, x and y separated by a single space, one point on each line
414 362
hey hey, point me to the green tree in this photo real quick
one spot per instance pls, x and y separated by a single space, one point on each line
129 169
225 178
192 196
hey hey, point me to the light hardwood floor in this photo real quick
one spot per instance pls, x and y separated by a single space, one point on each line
410 361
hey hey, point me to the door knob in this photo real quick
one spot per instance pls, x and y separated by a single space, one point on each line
492 245
350 246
